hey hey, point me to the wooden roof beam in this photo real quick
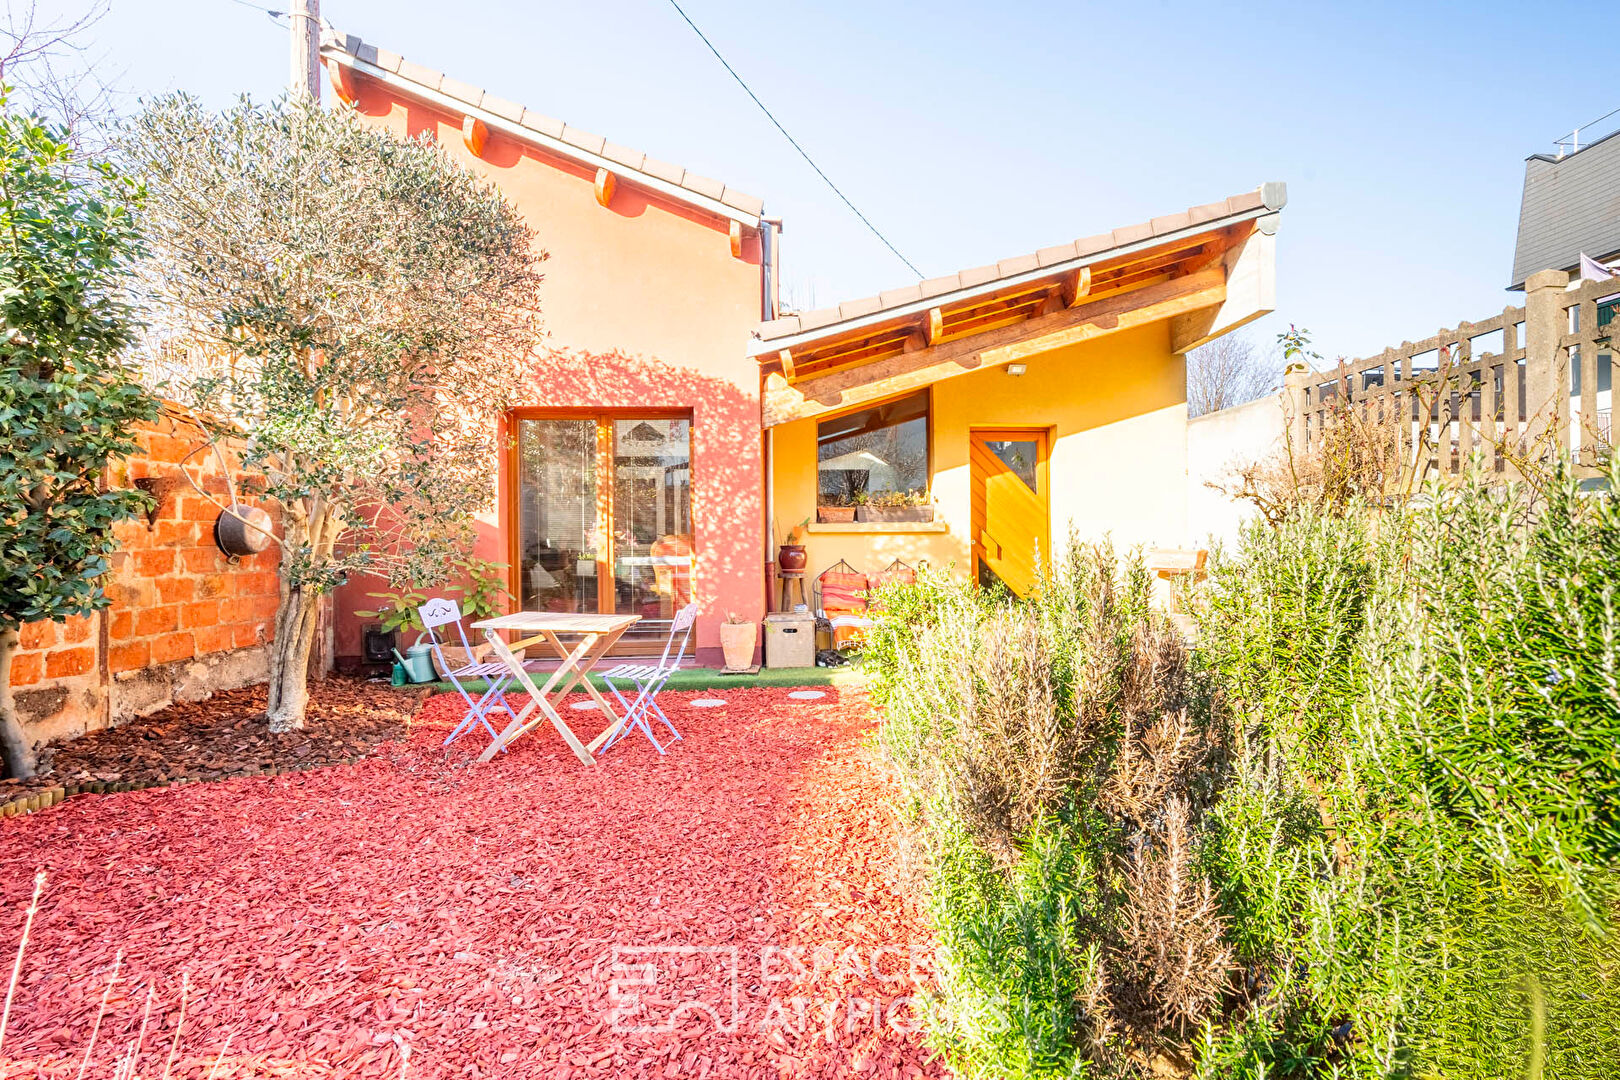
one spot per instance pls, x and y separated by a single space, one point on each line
1250 267
1166 300
606 184
474 134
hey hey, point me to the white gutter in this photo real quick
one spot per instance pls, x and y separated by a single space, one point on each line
553 145
761 347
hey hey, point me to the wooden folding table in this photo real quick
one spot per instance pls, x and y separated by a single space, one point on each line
597 633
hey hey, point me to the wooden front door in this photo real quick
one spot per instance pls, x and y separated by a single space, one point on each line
1011 535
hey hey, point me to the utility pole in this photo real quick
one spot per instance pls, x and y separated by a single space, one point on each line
305 29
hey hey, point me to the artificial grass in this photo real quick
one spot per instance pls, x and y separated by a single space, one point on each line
711 679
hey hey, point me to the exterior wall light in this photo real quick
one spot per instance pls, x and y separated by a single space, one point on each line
1017 369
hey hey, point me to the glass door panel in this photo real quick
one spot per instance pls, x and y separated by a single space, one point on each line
558 538
652 521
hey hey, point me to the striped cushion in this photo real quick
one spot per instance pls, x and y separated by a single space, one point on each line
900 575
843 593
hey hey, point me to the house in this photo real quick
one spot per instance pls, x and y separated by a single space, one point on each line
686 421
1571 205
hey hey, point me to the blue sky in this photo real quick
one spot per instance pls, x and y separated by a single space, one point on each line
971 132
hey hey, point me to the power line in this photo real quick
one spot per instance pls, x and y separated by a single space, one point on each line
273 14
802 152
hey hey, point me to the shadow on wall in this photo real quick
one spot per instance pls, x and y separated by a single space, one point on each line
727 480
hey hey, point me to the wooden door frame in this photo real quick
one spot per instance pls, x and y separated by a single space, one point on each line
606 591
1043 486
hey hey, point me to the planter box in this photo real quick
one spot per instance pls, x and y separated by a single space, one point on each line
827 515
737 643
895 513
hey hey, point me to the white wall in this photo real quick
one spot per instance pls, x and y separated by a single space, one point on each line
1219 445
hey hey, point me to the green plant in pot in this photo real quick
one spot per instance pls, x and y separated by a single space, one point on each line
897 506
790 554
480 595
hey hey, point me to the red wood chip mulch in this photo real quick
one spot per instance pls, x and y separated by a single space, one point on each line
729 910
226 735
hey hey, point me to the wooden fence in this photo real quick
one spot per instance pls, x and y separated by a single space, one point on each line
1522 385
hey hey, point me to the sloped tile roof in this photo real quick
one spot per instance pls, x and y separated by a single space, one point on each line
1268 198
553 134
1570 205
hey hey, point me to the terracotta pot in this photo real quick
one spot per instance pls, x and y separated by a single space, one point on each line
792 557
737 643
825 514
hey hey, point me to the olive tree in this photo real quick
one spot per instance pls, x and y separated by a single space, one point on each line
67 404
356 307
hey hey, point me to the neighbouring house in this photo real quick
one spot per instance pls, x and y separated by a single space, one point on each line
686 421
1571 205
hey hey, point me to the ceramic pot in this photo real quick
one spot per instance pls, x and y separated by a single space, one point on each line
737 643
791 557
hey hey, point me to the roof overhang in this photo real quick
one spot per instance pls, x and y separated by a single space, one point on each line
1204 278
749 214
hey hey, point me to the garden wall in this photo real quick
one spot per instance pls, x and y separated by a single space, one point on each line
185 619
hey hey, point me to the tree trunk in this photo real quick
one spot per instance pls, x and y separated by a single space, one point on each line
14 744
289 659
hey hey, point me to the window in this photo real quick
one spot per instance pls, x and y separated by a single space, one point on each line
872 452
604 516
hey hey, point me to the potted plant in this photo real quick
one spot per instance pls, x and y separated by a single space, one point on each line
737 638
841 510
791 554
479 597
897 506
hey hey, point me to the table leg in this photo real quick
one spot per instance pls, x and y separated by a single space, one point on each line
581 675
537 698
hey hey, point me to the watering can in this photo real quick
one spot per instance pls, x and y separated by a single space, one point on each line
418 662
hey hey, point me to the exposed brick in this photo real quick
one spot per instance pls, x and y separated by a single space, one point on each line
246 634
122 626
151 563
157 620
37 635
174 533
129 657
214 585
212 639
76 629
198 614
175 590
171 647
167 448
79 660
203 560
27 668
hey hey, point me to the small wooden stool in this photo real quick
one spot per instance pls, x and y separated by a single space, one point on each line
790 578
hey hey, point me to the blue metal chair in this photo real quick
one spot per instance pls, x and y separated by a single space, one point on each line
648 679
439 613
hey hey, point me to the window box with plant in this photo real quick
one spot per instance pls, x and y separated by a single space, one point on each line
896 506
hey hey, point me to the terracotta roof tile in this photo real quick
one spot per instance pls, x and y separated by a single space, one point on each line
623 155
418 74
573 136
461 91
473 97
1272 197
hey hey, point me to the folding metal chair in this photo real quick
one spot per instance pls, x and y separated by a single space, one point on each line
648 679
441 612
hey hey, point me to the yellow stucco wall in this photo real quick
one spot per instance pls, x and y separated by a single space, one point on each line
1116 411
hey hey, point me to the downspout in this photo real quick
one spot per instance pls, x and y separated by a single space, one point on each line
770 237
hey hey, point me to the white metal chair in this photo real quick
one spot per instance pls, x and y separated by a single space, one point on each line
442 612
648 679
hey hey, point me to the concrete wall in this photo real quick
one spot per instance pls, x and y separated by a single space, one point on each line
184 620
1219 445
1116 415
646 309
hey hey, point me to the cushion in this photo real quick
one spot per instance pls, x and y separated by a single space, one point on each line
843 592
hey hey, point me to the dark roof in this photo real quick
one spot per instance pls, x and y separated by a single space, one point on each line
1571 205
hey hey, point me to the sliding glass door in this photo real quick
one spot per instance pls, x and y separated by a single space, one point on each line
604 517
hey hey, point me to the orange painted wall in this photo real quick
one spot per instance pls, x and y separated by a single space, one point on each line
645 307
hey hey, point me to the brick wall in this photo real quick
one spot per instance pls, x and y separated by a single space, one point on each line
185 621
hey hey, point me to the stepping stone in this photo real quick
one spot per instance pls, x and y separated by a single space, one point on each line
582 705
807 695
706 703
